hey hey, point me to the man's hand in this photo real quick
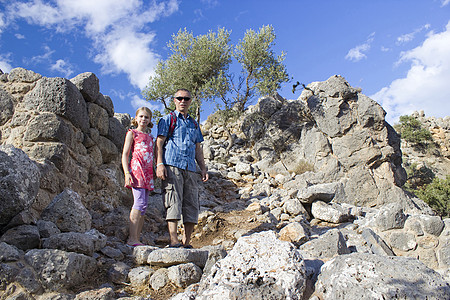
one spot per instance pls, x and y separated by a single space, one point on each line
205 175
161 172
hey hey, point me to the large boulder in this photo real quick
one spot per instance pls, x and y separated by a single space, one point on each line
19 182
368 276
68 213
59 96
6 106
260 266
59 270
88 84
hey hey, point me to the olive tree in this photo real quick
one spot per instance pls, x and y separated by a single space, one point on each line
262 71
199 64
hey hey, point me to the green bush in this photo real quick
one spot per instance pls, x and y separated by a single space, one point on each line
411 130
417 176
437 195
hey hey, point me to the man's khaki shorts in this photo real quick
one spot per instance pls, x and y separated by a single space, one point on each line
180 194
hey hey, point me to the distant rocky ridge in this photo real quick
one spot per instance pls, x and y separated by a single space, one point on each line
321 174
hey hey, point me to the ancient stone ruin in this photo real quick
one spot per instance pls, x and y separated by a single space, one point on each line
306 204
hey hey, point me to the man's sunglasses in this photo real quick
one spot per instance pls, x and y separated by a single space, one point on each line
183 98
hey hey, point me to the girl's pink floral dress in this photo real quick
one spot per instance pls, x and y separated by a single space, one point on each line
141 164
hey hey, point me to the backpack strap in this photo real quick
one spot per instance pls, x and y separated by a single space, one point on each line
173 122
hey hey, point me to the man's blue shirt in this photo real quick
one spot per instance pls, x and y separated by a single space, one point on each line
179 150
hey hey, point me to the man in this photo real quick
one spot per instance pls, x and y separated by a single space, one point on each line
176 153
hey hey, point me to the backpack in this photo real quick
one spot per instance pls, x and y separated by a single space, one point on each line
173 122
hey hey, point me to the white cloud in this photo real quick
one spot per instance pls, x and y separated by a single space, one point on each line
137 102
19 36
127 51
445 2
46 57
405 38
426 85
114 26
62 67
5 65
357 53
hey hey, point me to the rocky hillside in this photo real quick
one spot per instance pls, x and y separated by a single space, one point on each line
305 204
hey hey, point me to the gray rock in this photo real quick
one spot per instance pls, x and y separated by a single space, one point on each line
19 182
9 253
431 224
376 243
295 233
98 238
108 149
59 96
28 279
184 274
98 118
294 207
58 269
326 246
324 192
106 102
443 255
174 256
88 84
116 132
330 212
280 277
141 253
368 276
243 168
403 241
23 237
48 127
118 272
113 253
391 216
47 228
267 106
71 242
23 75
140 276
215 253
6 106
159 279
68 212
124 119
105 293
55 152
412 223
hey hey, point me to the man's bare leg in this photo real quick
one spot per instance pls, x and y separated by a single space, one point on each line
172 225
188 229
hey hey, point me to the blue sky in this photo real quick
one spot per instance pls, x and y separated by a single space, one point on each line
397 51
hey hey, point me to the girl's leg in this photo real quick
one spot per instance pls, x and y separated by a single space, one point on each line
143 209
135 219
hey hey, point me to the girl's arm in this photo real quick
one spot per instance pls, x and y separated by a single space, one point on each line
125 157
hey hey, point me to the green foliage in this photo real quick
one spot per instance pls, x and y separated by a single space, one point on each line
437 195
262 71
197 64
201 65
411 130
418 176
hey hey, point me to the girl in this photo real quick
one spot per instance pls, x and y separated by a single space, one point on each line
139 172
